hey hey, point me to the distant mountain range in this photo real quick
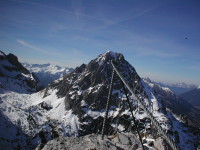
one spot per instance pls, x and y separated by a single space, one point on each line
47 73
192 97
189 92
177 88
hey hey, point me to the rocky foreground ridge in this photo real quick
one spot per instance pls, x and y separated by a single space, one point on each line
119 141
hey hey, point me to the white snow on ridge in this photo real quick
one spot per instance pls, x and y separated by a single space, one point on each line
185 137
13 106
198 87
172 122
69 121
166 89
16 105
155 106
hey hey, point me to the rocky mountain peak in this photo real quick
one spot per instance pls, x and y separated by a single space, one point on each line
14 61
2 55
96 73
10 62
85 90
108 56
13 73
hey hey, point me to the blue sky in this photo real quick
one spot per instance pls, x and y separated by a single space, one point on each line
160 38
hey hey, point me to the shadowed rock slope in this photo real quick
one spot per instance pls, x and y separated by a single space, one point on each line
14 77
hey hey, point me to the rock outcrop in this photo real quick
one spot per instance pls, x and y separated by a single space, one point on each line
14 77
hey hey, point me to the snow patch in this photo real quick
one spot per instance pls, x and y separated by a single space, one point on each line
71 123
166 89
186 138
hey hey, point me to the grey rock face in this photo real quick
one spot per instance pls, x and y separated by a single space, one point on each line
12 59
94 142
119 141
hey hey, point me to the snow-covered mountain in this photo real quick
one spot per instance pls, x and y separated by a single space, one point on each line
74 105
16 85
47 73
177 88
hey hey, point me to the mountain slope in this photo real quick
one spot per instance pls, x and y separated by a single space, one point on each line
74 105
16 85
47 73
192 97
177 105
